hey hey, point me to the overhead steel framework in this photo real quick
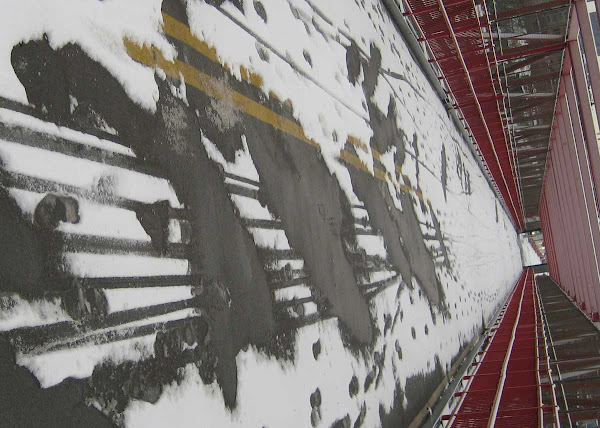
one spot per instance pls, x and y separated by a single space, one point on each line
525 79
458 36
501 64
569 208
573 344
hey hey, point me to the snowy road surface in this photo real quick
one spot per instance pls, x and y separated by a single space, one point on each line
233 213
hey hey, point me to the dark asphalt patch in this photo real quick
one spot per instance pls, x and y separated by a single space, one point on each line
440 239
297 187
444 163
221 249
496 207
401 230
23 404
417 391
24 265
463 174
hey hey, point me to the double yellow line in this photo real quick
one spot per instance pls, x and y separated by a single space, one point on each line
177 69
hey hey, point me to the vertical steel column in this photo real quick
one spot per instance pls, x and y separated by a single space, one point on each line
558 213
572 221
565 228
550 248
548 239
587 37
598 9
558 274
574 54
564 273
553 267
581 170
585 250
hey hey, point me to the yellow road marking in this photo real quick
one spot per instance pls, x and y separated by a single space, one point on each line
176 69
182 32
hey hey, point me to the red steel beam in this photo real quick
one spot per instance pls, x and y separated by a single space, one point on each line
589 50
574 195
583 101
513 13
526 61
563 206
434 8
565 233
532 79
582 169
528 52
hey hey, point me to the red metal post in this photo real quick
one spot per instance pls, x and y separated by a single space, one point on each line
581 170
585 249
569 215
565 226
555 226
528 52
549 240
589 48
583 101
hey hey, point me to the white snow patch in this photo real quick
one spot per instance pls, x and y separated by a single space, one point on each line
13 118
250 208
121 299
243 166
270 238
16 312
374 245
290 293
101 265
52 368
64 169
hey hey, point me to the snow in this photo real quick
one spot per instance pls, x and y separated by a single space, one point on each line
250 208
530 257
16 312
372 244
175 234
93 221
484 250
282 79
480 247
243 166
13 119
53 367
101 265
381 275
60 168
99 28
268 238
294 292
121 299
